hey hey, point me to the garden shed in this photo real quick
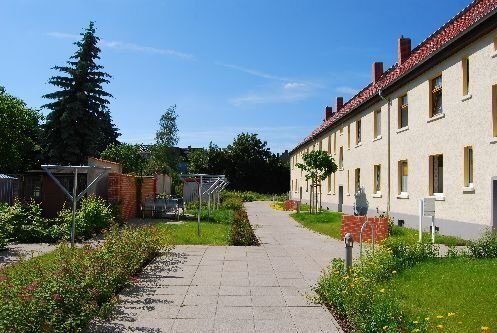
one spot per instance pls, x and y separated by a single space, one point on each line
8 188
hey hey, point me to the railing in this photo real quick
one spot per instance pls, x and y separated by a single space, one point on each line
360 236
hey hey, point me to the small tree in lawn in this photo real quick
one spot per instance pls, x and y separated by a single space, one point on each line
317 165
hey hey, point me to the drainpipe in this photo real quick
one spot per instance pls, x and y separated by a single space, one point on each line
388 145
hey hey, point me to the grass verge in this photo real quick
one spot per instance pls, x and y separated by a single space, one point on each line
456 294
330 223
326 223
186 233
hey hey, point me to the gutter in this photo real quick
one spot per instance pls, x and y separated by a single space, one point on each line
389 102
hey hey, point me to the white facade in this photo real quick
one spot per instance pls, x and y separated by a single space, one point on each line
451 155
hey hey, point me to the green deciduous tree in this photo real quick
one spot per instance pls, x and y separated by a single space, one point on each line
212 160
318 165
19 134
127 155
79 124
163 157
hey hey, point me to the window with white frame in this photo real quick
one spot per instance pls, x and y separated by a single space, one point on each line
358 132
436 96
377 123
348 136
340 158
357 179
468 166
436 174
465 76
403 174
403 112
494 111
377 178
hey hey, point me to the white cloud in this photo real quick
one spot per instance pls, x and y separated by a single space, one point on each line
118 45
294 85
346 90
255 72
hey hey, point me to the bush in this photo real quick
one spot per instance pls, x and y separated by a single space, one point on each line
485 247
234 203
63 290
359 296
24 223
241 233
5 228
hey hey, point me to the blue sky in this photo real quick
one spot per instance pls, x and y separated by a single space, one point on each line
230 66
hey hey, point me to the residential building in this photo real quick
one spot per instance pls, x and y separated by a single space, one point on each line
426 127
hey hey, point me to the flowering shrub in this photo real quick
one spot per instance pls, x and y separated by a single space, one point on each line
241 233
485 247
358 296
63 290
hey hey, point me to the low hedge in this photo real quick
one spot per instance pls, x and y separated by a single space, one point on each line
63 290
241 233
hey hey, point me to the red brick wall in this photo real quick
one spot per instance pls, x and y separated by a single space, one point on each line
149 185
122 189
352 224
291 204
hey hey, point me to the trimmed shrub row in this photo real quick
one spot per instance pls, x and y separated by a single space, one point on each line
241 233
63 290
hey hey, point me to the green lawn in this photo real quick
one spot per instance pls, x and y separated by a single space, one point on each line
465 288
327 223
409 235
186 233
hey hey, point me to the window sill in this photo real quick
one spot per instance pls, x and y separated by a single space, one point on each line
493 140
438 197
494 55
379 137
348 194
403 129
377 195
340 169
466 97
403 195
468 189
358 145
437 117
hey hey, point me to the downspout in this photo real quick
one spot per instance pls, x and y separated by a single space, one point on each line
388 148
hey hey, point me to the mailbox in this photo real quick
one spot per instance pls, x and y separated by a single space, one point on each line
429 206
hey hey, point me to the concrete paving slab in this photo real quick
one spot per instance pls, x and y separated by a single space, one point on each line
233 289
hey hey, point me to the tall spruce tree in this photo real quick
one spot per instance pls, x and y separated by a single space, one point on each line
80 124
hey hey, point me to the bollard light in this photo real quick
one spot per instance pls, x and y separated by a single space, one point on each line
349 244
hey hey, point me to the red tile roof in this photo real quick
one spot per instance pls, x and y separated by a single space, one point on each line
464 20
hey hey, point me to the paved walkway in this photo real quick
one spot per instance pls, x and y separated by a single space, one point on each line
233 289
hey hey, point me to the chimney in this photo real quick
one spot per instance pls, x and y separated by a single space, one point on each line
328 112
404 49
339 103
377 71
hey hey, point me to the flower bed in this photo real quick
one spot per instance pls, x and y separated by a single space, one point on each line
63 290
369 297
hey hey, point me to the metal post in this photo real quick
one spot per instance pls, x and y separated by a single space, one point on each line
433 229
421 213
349 244
200 204
74 200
